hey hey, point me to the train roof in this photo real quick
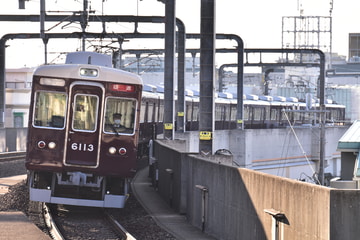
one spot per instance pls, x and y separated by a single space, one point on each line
85 57
151 91
73 71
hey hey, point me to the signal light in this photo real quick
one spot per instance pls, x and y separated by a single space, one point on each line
122 151
41 144
122 88
112 150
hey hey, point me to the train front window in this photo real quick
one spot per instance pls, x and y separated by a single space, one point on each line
85 112
50 109
119 115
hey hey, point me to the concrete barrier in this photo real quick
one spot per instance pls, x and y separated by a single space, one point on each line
237 203
13 139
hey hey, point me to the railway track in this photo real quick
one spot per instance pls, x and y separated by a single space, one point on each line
78 223
51 225
118 227
12 156
12 164
133 217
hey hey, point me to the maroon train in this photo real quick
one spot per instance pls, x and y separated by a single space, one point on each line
83 132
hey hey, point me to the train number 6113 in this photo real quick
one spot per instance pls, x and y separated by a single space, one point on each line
82 147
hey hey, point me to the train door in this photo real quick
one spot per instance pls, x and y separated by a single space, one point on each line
83 127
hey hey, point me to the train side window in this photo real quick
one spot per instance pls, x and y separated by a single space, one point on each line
50 109
161 112
154 115
119 115
233 112
247 109
142 111
85 112
150 113
257 113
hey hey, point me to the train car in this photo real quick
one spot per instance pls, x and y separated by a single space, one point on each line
83 132
259 112
334 112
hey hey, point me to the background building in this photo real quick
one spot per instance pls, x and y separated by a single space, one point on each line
17 97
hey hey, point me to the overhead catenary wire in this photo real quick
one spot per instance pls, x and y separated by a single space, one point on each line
301 147
285 154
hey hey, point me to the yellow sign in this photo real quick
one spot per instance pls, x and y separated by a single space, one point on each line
205 135
181 114
168 126
239 121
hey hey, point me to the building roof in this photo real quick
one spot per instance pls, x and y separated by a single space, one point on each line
350 141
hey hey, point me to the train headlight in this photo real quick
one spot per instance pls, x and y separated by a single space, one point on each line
112 150
41 144
89 72
52 145
122 151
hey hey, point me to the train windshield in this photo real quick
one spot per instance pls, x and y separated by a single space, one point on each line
119 115
50 109
85 112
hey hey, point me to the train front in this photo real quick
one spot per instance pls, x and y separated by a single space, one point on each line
83 134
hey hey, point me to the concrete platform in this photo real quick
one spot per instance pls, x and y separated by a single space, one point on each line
160 211
16 226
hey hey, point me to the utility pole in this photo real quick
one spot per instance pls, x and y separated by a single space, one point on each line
84 22
169 103
21 4
42 28
207 77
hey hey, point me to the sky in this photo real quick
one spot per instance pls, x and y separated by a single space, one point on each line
257 22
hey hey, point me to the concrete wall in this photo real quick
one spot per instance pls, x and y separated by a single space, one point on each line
344 214
13 139
16 139
347 165
237 199
171 185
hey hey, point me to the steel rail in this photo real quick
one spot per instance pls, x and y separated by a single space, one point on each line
118 227
11 156
51 225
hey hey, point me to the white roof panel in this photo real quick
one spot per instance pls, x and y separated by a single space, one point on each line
350 141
